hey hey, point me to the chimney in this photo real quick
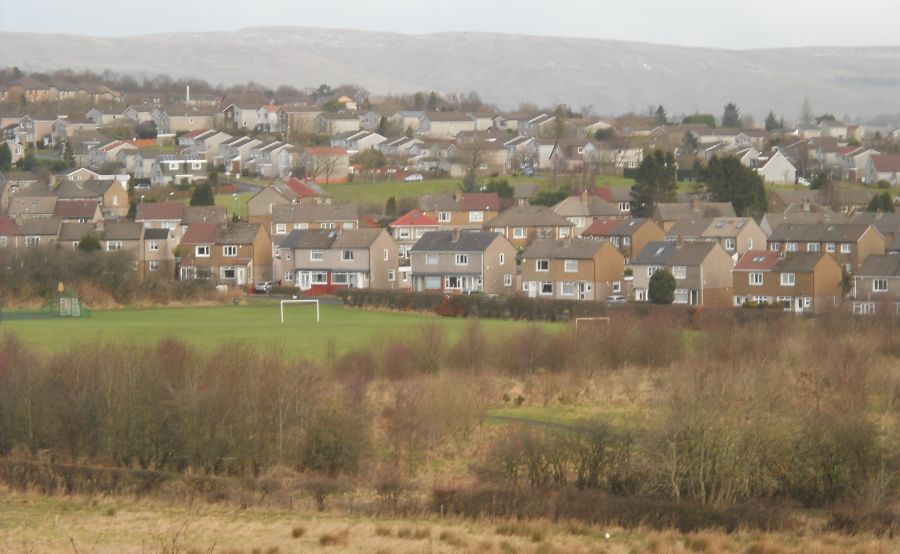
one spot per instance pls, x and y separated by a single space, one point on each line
584 196
695 203
458 195
187 94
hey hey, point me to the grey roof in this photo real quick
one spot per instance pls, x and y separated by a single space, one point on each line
819 232
592 206
656 253
529 216
157 234
888 224
238 233
357 238
32 205
776 220
75 230
880 266
204 214
579 249
676 210
726 226
692 253
74 190
452 241
437 203
895 246
690 227
122 230
315 239
311 213
38 226
798 262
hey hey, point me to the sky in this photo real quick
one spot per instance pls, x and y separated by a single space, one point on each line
704 23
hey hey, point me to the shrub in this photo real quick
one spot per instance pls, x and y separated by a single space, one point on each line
298 532
340 538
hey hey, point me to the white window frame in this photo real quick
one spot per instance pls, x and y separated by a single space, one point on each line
829 247
347 255
756 279
570 285
462 259
444 217
812 246
679 272
538 266
431 259
153 265
476 217
788 279
153 246
113 245
280 228
543 284
730 245
502 258
316 255
846 248
507 280
519 233
792 247
229 251
876 288
201 251
570 266
392 276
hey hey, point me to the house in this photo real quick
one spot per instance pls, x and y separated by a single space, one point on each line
207 144
407 120
470 210
63 128
16 150
140 113
264 158
357 141
235 255
217 215
23 206
444 125
702 272
77 175
268 120
324 261
190 119
325 164
107 153
169 169
572 269
299 119
7 235
849 243
882 167
801 282
158 258
110 194
241 115
737 235
123 236
617 196
523 193
287 217
292 191
235 153
629 236
771 221
72 233
409 228
162 215
582 211
888 224
522 225
335 123
32 232
459 261
876 286
731 137
81 211
665 214
485 158
775 169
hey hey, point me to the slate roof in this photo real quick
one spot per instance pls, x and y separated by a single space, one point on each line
887 224
615 227
880 266
799 262
75 230
74 190
692 253
157 233
437 203
205 214
451 241
592 206
238 233
529 216
312 239
819 232
38 226
572 249
31 205
676 210
655 253
301 213
122 230
689 227
356 238
726 226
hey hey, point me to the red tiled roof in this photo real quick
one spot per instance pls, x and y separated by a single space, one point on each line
109 146
886 163
415 218
602 228
7 226
159 210
302 189
757 260
474 201
75 209
270 107
848 150
193 134
200 233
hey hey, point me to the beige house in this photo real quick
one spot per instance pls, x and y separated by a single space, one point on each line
444 125
737 235
800 282
876 286
158 258
582 211
630 236
522 225
463 261
702 272
849 243
572 269
469 210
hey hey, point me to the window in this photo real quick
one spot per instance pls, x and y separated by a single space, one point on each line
507 280
202 251
432 283
316 255
519 233
845 248
444 217
568 289
340 278
756 278
571 266
788 279
651 270
730 244
347 255
391 275
229 251
502 258
774 246
476 217
301 226
154 246
280 228
3 241
327 225
288 275
546 287
617 286
404 233
864 308
791 247
153 265
113 245
318 278
812 247
829 247
542 265
545 232
347 225
195 166
626 241
807 302
32 241
171 224
227 273
431 259
462 259
879 285
679 271
173 166
454 282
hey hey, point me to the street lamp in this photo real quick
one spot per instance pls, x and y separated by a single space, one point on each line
235 198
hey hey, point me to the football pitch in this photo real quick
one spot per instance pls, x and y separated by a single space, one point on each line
256 323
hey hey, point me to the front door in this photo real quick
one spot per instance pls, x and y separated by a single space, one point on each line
532 289
304 280
241 276
798 304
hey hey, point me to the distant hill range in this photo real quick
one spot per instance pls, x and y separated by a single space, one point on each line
612 77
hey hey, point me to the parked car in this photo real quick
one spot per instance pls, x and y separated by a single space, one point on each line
616 299
414 178
263 287
802 181
528 172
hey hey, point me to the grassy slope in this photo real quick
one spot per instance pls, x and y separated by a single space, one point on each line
256 323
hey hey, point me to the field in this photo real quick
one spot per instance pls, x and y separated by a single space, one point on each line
256 322
31 523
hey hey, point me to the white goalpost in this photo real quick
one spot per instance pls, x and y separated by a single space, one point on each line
311 301
586 319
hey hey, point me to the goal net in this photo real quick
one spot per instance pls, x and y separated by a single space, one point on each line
308 301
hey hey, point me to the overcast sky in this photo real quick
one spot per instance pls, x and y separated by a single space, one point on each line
712 23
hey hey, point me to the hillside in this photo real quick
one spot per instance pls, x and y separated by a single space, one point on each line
610 76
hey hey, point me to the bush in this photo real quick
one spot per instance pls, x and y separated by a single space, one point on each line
662 287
